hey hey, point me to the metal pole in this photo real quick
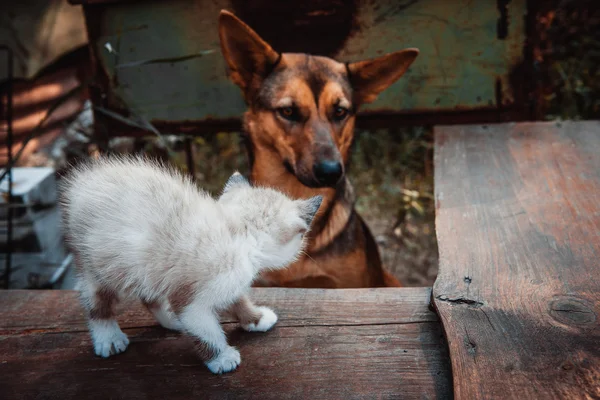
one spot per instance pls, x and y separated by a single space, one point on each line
189 153
9 144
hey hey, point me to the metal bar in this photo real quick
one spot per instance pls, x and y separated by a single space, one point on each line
364 121
9 144
35 206
189 155
62 269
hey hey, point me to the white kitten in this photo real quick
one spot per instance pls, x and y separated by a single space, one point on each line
138 228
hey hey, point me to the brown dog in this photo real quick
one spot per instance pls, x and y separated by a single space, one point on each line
300 125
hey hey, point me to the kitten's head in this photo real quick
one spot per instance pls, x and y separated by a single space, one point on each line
279 223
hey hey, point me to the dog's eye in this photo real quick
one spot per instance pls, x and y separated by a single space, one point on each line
289 113
339 113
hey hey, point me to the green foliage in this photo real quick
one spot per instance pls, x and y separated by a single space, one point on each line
217 157
392 173
568 59
390 167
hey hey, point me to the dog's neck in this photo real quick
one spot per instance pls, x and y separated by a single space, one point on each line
336 209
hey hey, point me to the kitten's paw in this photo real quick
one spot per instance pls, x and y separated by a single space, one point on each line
113 343
266 321
107 337
226 361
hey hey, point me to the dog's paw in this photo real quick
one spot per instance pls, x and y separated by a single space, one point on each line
226 361
267 320
110 344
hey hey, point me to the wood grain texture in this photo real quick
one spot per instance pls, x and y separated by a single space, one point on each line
361 343
518 225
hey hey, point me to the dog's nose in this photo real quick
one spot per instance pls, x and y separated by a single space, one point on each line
328 172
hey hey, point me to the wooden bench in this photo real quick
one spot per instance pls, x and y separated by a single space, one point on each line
518 290
518 294
362 343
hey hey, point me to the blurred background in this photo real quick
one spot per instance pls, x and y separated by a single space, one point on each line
148 76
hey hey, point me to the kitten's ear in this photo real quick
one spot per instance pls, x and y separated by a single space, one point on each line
235 180
310 207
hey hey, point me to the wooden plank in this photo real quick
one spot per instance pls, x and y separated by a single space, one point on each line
20 310
39 32
360 343
32 101
518 225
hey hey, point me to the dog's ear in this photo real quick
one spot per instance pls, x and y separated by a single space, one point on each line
371 77
235 180
248 57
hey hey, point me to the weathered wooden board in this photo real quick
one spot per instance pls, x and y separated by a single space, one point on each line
162 60
38 32
351 344
518 225
32 99
20 308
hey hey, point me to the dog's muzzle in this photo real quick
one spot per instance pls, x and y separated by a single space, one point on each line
328 172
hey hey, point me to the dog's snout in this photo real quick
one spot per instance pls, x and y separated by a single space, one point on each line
328 172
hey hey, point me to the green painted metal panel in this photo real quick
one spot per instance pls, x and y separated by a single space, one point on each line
162 59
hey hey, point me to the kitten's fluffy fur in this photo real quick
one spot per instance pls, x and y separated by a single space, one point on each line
140 229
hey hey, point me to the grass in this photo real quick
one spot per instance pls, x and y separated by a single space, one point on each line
392 173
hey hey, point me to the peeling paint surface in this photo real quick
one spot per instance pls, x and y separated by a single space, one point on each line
166 64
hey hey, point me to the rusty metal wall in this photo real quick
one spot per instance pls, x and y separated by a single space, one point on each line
162 61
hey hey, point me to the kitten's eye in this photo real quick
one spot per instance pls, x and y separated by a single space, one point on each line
339 113
289 113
